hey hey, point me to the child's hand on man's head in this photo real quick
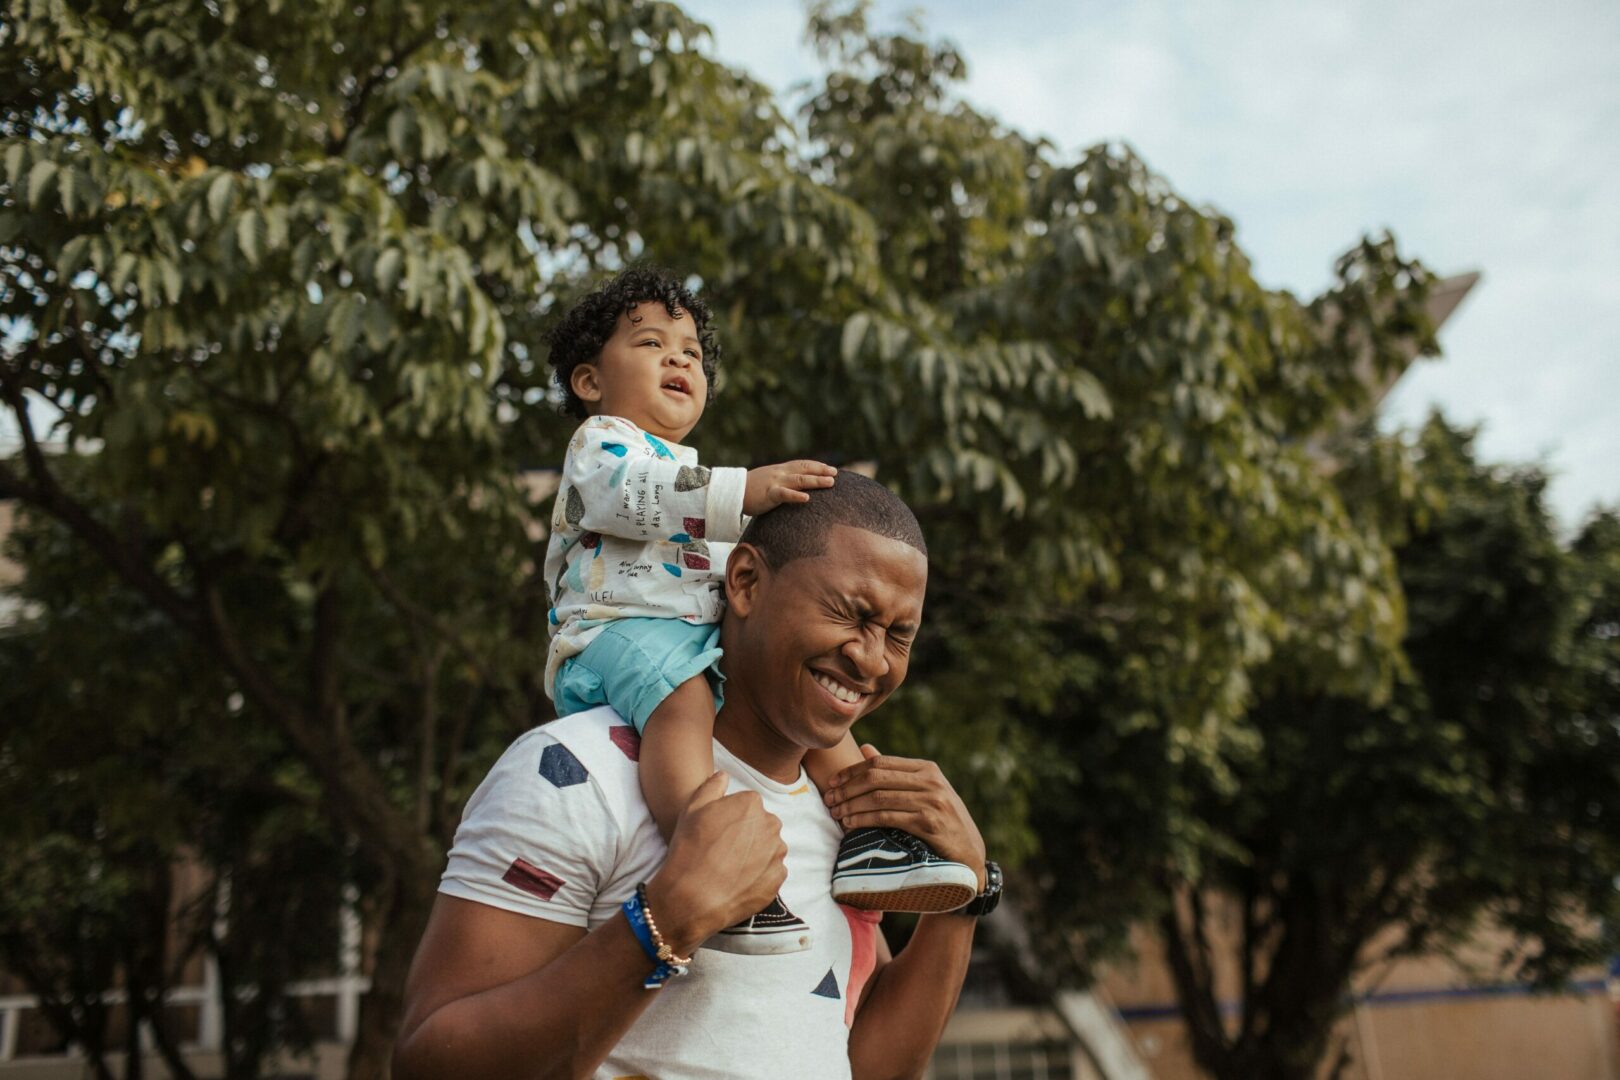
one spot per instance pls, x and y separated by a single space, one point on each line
772 485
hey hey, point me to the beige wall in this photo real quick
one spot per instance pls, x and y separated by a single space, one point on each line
1425 1019
1486 1038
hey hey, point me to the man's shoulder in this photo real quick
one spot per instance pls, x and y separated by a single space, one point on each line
596 732
554 821
600 747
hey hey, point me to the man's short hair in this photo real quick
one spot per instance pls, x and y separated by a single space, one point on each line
799 530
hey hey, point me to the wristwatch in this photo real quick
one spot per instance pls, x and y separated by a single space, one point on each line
985 902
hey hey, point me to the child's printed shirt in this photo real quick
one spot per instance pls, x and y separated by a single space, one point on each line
640 530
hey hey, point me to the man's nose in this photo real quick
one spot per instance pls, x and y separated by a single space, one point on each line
866 651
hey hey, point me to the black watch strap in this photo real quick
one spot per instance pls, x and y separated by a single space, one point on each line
985 902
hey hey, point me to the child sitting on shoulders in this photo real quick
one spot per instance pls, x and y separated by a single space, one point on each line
636 566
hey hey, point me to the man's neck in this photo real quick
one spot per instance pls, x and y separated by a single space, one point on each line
743 731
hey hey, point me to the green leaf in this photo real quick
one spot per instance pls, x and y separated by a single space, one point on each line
146 283
75 253
248 228
39 181
399 131
344 323
276 228
855 328
67 186
221 193
387 269
171 281
1091 395
16 159
123 269
1088 245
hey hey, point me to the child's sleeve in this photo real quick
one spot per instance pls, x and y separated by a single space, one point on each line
621 481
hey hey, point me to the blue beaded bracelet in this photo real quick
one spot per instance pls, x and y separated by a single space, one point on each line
635 913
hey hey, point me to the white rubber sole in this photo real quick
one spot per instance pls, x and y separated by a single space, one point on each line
925 890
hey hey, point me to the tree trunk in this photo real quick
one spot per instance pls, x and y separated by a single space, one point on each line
167 1049
399 921
98 1065
1262 1066
243 1057
134 1063
1299 994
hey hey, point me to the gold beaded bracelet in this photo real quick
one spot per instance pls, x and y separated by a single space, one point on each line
665 953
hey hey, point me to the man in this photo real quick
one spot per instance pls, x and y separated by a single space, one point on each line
529 968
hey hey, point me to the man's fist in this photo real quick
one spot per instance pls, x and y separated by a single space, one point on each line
772 485
726 861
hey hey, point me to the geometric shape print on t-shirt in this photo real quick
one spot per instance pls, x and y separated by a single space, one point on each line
558 830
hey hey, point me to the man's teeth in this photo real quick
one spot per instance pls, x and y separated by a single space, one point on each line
838 689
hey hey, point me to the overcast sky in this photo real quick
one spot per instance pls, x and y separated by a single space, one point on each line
1485 135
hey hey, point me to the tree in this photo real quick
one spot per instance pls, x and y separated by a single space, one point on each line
279 271
1482 792
154 825
279 267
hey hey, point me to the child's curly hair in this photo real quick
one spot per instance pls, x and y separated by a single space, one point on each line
579 336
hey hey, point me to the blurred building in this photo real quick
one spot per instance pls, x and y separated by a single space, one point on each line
1427 1018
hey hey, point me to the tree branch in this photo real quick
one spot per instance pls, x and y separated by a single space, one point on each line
269 410
379 72
45 493
1362 926
428 735
452 757
352 784
1194 986
426 620
90 356
323 666
1246 951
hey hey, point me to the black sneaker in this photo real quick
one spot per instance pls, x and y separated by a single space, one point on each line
891 870
773 931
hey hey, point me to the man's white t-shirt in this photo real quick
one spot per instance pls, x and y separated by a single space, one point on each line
558 830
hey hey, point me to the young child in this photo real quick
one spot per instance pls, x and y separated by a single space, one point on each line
636 564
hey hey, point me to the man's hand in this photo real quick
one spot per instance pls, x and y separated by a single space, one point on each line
726 862
909 794
770 486
908 1001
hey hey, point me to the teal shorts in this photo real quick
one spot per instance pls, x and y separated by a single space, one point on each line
634 664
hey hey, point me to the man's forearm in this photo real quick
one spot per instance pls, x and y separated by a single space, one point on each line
904 1010
560 1021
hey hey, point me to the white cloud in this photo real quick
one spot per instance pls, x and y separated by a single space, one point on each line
1486 135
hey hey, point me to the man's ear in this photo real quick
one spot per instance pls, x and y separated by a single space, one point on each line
746 575
586 383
